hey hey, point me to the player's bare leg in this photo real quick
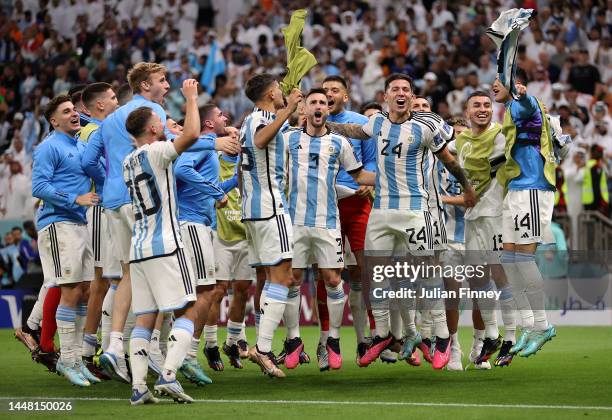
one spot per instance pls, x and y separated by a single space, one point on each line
97 292
452 321
261 281
240 293
156 356
113 359
211 349
191 367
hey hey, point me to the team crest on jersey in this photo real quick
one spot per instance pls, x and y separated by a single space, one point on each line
332 149
410 139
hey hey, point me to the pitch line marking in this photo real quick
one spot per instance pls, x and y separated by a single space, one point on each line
328 402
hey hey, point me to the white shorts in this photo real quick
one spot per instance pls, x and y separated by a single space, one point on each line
199 248
439 229
162 284
270 241
102 246
395 232
484 239
454 254
527 217
65 253
313 245
121 222
349 255
95 214
232 260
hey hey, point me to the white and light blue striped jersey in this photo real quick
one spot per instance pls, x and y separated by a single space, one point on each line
454 216
314 163
148 174
404 165
263 170
446 132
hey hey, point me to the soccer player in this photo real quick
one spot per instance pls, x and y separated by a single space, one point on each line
161 275
315 158
99 100
231 255
59 180
401 217
481 152
149 85
264 207
454 212
197 175
354 209
529 178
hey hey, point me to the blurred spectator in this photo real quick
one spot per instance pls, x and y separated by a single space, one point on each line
48 46
584 76
10 260
28 248
16 201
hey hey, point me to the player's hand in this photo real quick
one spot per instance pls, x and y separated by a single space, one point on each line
221 203
364 190
228 145
469 197
87 200
293 100
190 88
521 89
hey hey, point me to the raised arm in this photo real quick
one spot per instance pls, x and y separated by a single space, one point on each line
452 165
264 135
191 128
354 131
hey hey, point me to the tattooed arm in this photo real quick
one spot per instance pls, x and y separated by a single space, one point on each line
449 161
352 131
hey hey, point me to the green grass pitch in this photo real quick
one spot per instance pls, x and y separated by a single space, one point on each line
570 378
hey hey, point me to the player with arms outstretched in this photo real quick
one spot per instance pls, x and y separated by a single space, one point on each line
401 205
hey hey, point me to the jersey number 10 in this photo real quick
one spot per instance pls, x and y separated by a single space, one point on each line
141 209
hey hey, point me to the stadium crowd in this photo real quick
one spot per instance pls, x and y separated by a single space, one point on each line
50 47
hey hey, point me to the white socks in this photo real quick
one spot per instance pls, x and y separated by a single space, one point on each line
36 315
193 349
107 312
357 306
234 329
139 356
81 316
335 306
534 288
179 343
210 336
487 311
291 316
515 278
272 312
66 328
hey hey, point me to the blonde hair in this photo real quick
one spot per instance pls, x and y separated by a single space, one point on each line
142 72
